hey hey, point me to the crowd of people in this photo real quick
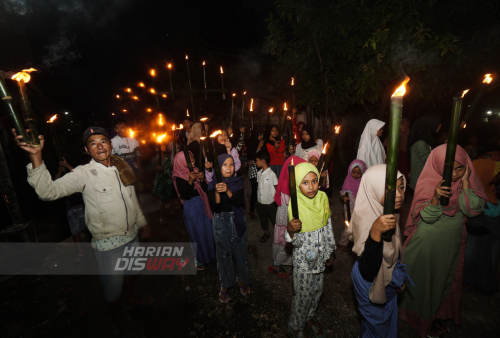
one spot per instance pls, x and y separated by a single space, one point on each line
418 277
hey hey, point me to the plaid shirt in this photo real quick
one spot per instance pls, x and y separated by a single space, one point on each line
252 171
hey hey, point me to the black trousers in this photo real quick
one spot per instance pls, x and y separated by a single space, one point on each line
266 211
253 195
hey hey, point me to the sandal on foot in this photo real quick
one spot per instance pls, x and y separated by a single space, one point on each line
299 334
200 266
145 302
315 330
264 237
277 272
223 294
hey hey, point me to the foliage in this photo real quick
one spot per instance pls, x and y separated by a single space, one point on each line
353 52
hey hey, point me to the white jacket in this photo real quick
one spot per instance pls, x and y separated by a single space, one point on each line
371 150
111 209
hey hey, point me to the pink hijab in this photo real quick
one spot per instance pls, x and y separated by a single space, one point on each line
431 175
350 183
284 181
181 170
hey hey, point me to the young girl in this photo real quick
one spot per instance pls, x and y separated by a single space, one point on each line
313 158
377 275
223 146
435 245
308 143
314 243
371 151
191 188
229 228
350 186
276 148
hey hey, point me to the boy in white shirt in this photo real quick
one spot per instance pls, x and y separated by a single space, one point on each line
267 182
125 146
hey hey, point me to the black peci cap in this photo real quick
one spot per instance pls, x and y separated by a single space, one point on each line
94 131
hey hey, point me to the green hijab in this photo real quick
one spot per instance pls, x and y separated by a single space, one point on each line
313 212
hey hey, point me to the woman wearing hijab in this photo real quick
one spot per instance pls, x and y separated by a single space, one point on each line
193 142
254 145
350 187
229 228
298 132
421 140
403 145
313 244
223 146
377 274
371 151
276 147
191 188
282 251
482 251
435 246
308 143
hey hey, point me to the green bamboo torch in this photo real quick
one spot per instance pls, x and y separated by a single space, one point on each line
283 120
215 163
266 126
15 120
29 118
293 94
243 104
452 142
391 172
293 190
330 152
251 113
291 141
479 95
169 67
208 152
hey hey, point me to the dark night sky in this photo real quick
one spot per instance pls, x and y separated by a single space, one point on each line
87 51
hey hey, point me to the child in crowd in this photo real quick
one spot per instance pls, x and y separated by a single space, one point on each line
125 146
371 151
313 158
377 274
314 243
308 143
164 188
350 187
229 228
267 182
276 147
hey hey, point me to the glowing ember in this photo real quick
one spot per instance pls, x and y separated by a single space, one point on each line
487 78
141 84
324 148
187 112
169 66
271 110
347 223
153 91
152 72
164 95
293 82
160 120
292 161
124 110
131 132
218 132
251 104
221 71
23 75
52 119
337 129
160 138
402 89
465 92
285 108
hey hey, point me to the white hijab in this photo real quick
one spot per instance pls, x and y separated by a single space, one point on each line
371 150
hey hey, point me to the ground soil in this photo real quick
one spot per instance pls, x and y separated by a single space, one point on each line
72 306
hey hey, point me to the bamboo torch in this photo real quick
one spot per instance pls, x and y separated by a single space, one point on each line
222 81
55 139
330 152
251 112
158 140
205 80
393 153
215 163
169 67
22 78
452 143
243 104
201 168
293 190
15 120
174 143
348 209
186 153
232 108
293 94
190 89
321 159
283 120
208 152
290 135
487 80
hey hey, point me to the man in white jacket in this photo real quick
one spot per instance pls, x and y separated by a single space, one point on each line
112 213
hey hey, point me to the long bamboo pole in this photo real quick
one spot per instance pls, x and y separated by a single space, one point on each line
479 95
15 120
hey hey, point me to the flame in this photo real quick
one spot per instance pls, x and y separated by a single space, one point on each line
202 138
218 132
295 136
347 223
160 120
117 96
131 132
181 126
23 75
231 135
152 72
204 119
135 98
401 89
487 78
112 113
164 95
285 109
128 90
251 104
234 94
337 129
143 142
124 110
244 93
465 125
169 66
203 63
187 112
271 110
221 71
465 92
187 57
154 134
293 81
292 162
161 137
141 84
52 119
288 118
173 126
149 110
324 148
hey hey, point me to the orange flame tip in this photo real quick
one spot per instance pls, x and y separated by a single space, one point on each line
160 138
465 125
293 81
128 90
203 62
124 110
136 98
324 148
215 133
221 70
187 57
164 95
173 127
131 132
153 91
285 108
487 78
187 112
160 120
202 138
347 223
401 89
149 110
288 118
337 129
204 119
169 66
117 96
152 72
141 84
52 119
244 93
181 126
23 75
291 162
251 104
271 110
465 92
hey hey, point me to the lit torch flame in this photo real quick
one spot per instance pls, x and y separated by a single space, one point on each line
149 110
52 119
234 95
204 119
152 90
288 118
487 78
293 82
244 93
169 66
202 138
402 89
136 98
180 126
187 57
152 72
465 125
292 162
203 62
187 112
218 132
271 110
337 129
173 126
117 96
131 132
141 84
285 109
251 104
160 120
347 223
324 148
128 90
23 75
465 92
161 137
221 71
164 95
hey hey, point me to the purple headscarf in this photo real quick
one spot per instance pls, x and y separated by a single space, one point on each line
350 182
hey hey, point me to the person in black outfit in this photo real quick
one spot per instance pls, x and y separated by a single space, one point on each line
255 144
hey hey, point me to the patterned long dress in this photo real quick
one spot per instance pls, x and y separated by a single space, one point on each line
282 250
